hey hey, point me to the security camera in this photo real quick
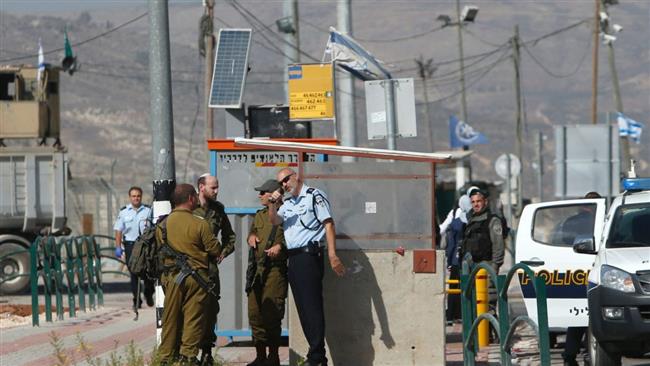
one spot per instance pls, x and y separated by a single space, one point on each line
617 28
608 38
603 16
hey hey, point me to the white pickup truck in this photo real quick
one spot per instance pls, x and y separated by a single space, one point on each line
596 266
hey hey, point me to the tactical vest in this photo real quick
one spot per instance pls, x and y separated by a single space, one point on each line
477 240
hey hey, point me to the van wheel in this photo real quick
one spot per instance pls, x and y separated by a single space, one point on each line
11 266
599 356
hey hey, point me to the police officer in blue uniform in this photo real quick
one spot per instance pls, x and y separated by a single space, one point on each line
306 218
131 222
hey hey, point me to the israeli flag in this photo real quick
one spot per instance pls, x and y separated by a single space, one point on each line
353 58
461 134
629 127
41 62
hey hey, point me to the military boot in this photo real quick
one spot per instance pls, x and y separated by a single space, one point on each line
260 359
188 361
206 358
273 358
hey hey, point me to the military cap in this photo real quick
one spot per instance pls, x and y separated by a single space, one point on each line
476 190
270 185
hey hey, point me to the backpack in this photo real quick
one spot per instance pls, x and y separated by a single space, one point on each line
146 260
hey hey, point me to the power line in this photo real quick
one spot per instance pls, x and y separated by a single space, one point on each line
241 10
384 40
82 42
551 73
476 36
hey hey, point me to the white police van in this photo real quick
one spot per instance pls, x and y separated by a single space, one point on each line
596 267
619 282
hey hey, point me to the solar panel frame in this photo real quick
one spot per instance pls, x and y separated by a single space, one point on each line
230 68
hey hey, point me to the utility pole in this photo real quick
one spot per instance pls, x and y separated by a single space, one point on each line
426 70
292 38
463 100
519 126
160 118
625 142
594 81
207 27
345 84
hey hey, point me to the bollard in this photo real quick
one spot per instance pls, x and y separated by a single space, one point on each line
453 291
482 307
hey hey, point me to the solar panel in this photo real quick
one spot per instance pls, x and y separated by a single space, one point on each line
230 67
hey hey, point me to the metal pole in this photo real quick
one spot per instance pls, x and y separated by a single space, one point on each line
345 84
160 87
389 95
463 101
160 116
519 126
207 84
594 82
292 45
540 166
625 142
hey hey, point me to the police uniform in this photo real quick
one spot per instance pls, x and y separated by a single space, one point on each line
131 222
266 299
185 303
215 215
303 218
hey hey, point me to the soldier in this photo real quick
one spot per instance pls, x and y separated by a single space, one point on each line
267 289
483 237
131 222
185 299
214 213
306 218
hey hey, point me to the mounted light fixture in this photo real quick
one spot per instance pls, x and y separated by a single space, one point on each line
469 13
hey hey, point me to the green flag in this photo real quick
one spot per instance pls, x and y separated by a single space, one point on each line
69 62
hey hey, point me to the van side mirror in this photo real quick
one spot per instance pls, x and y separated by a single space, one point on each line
584 246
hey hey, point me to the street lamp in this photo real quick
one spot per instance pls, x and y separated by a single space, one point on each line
468 14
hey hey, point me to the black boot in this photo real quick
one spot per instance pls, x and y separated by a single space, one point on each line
273 358
206 358
188 361
260 359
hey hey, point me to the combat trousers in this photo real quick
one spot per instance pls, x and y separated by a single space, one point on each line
183 317
266 303
209 338
306 280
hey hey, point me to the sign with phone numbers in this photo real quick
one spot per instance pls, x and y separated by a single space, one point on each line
311 91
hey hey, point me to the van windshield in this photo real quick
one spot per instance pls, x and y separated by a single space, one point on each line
630 227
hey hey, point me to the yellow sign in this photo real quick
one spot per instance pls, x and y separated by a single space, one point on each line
311 91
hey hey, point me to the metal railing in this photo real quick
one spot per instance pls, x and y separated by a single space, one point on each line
78 261
502 324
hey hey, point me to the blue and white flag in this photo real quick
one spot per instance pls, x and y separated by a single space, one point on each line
461 134
41 62
350 56
629 127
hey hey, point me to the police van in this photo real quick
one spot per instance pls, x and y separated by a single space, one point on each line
596 266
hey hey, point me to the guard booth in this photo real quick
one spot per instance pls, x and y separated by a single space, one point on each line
389 307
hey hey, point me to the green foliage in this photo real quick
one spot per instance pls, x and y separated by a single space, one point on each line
130 356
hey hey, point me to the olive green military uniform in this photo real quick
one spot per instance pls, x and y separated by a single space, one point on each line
215 215
185 303
267 298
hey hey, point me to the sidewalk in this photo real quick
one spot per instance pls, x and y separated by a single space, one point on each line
111 329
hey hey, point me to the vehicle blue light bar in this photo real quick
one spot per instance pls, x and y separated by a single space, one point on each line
636 184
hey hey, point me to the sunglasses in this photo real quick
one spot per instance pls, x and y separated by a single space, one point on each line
261 193
286 179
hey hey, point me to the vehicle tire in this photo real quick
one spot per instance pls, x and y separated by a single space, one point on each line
598 355
13 265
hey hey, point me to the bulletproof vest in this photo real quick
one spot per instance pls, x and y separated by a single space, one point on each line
477 240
